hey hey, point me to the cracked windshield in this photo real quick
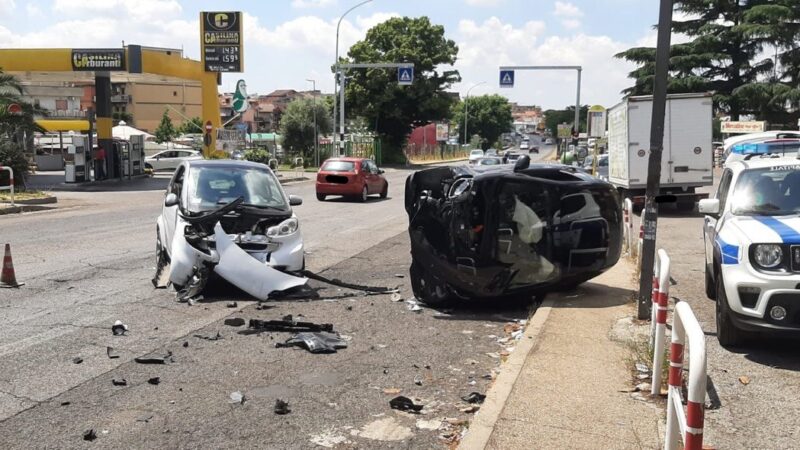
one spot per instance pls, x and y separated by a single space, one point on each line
347 224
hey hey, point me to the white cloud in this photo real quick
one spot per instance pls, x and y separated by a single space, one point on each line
566 9
483 2
6 7
571 24
33 10
140 9
312 3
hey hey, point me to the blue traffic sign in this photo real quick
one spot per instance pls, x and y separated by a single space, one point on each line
507 78
405 76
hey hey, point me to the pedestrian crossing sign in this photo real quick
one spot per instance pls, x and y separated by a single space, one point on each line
507 78
405 76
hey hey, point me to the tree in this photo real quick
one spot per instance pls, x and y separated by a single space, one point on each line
297 125
553 118
192 126
725 53
488 116
15 128
393 110
165 131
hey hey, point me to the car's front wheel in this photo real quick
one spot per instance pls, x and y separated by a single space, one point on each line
385 191
727 333
321 197
711 291
364 194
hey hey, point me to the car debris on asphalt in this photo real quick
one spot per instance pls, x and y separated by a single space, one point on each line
234 322
119 328
237 397
287 323
111 353
402 403
215 337
77 360
154 381
315 342
282 407
155 359
89 435
474 397
119 382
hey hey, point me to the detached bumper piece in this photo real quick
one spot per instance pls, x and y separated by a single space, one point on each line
492 232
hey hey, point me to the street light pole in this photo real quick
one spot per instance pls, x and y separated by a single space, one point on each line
466 110
316 138
336 67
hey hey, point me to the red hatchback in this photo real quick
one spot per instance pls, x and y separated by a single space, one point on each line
351 177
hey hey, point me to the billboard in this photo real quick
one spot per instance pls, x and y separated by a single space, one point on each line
98 59
221 41
564 130
442 132
742 127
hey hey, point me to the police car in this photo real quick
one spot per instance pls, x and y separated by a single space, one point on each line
752 247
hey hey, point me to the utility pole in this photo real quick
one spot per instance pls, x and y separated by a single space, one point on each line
650 212
316 138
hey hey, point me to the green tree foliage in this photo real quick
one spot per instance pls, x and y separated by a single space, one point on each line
165 131
191 126
374 94
15 128
297 124
553 118
729 41
488 116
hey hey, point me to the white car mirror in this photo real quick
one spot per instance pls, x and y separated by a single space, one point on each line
708 206
170 200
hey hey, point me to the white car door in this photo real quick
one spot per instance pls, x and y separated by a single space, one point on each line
712 223
170 213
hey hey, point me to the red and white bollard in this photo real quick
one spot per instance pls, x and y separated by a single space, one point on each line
659 317
687 425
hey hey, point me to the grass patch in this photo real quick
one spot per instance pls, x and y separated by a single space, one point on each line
5 196
639 351
288 168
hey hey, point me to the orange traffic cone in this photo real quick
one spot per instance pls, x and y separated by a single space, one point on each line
7 277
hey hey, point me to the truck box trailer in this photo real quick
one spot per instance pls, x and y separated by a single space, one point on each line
687 159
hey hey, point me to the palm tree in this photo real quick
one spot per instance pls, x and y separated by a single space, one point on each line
14 124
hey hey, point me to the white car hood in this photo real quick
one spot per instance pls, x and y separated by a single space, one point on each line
767 229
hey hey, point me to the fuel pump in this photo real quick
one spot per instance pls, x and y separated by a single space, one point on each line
75 169
137 154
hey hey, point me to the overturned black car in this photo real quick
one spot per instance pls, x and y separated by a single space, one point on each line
500 231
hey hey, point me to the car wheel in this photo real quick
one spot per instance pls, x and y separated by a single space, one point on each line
427 290
385 191
727 333
364 194
711 291
161 258
321 197
148 166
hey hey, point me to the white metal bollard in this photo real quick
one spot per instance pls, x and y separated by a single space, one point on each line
10 186
659 322
627 215
687 425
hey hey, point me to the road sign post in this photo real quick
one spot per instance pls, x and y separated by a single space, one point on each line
506 78
405 76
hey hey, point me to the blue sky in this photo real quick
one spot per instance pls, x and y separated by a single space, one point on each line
288 41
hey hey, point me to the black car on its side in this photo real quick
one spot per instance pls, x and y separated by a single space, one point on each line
482 233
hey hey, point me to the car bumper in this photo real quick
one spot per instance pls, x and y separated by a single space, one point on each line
751 309
349 188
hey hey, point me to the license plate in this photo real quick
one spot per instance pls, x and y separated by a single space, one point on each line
795 250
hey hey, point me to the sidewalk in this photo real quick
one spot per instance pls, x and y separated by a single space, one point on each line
567 384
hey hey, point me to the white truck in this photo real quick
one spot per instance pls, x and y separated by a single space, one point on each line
687 159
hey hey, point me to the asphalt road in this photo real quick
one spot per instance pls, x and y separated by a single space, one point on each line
89 263
762 411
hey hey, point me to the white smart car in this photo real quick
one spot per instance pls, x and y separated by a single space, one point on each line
475 155
232 218
752 247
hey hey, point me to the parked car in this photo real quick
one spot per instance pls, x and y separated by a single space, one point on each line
752 256
232 218
481 233
549 141
351 177
602 166
490 161
170 159
475 155
524 145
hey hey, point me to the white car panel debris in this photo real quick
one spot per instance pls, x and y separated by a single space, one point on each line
247 273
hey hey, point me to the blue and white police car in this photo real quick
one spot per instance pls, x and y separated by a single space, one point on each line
752 247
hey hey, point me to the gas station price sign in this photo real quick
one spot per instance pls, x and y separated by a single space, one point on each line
221 41
102 59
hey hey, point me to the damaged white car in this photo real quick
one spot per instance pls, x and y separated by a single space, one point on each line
232 218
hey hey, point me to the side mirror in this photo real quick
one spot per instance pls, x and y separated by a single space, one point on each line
708 206
295 200
170 200
381 172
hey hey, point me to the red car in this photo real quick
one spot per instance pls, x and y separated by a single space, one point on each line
351 177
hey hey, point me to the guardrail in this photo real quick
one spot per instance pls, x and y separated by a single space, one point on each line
658 323
627 231
10 186
688 424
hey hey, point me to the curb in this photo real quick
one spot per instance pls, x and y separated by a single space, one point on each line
480 429
432 163
24 208
38 201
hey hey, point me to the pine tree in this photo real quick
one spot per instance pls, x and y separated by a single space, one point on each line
166 130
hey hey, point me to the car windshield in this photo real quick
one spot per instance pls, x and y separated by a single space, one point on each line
602 162
476 153
490 161
338 166
210 187
769 191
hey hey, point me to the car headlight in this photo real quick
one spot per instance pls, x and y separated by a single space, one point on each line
768 255
284 228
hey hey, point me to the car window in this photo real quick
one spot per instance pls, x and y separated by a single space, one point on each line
722 190
602 162
338 166
767 191
170 154
177 182
210 187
